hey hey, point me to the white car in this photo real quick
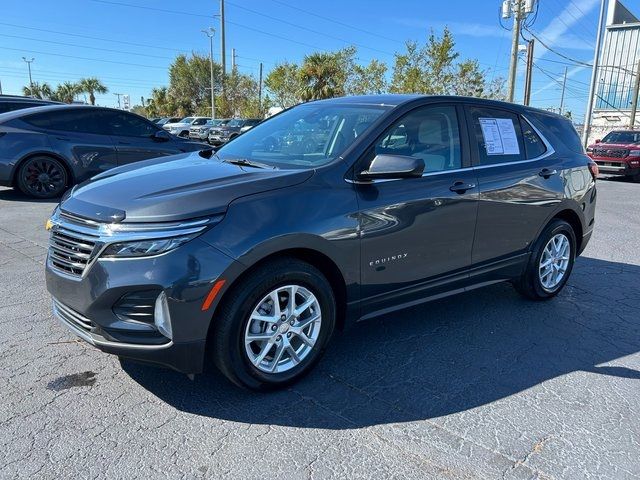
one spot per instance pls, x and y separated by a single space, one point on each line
181 128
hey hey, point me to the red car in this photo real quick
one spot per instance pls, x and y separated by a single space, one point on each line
618 153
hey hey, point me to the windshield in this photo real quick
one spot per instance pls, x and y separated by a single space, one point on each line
305 136
622 137
235 123
199 121
186 120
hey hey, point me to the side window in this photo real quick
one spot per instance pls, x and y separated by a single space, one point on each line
533 144
84 120
430 133
127 125
498 135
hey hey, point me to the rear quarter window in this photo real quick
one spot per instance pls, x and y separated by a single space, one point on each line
560 128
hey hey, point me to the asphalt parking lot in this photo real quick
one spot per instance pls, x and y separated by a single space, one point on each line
483 385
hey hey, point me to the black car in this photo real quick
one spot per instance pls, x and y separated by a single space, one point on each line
249 258
45 150
9 103
234 127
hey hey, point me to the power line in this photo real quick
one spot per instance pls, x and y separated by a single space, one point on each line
317 32
337 22
566 57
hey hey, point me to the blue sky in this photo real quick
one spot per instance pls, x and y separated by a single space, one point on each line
129 48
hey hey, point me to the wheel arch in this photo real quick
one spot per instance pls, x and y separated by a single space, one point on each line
570 216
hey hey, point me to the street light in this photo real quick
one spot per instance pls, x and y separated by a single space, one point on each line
209 32
30 81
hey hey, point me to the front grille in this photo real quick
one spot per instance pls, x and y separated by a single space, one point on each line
610 152
137 306
69 251
71 317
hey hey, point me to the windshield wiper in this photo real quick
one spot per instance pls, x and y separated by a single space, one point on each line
247 163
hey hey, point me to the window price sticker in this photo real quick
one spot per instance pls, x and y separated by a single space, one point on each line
499 136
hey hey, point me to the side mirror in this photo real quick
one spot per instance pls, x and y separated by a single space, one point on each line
598 140
161 136
392 167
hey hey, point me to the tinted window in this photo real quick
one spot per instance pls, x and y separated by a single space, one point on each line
622 137
533 144
429 133
498 135
561 128
84 120
199 121
127 125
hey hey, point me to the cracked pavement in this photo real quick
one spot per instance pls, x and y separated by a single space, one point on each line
481 385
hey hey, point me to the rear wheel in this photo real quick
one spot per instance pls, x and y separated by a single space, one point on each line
550 263
42 177
635 178
274 326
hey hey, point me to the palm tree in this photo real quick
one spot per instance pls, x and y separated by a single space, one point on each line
321 76
66 92
37 90
92 86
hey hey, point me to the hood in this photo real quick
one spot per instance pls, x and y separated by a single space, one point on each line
625 146
175 188
179 124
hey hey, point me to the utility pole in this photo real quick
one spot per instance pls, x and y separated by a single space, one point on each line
233 59
118 95
0 87
529 72
634 101
564 86
594 75
30 80
515 38
209 33
260 91
223 56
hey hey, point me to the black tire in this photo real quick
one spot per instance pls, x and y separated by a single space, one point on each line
635 178
530 284
42 177
226 344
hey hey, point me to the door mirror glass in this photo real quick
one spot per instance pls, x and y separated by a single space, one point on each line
393 166
161 136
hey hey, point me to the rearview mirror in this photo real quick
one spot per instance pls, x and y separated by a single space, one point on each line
161 136
393 166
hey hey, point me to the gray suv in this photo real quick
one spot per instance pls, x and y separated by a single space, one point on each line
249 258
45 150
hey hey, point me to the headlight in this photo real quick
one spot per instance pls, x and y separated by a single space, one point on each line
634 153
145 248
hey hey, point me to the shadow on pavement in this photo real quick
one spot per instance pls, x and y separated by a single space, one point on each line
440 358
14 195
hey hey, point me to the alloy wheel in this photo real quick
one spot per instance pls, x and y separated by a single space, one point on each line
43 177
283 329
554 261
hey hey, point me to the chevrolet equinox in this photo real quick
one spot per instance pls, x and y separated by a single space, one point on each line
328 213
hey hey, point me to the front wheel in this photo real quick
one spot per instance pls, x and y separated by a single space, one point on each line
274 326
550 263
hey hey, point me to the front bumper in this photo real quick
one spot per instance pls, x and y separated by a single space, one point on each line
613 167
88 305
217 140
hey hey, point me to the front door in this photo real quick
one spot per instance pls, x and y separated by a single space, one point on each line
135 141
417 233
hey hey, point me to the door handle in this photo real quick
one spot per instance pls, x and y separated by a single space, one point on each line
461 187
546 173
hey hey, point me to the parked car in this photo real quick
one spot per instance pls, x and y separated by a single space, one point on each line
618 153
249 124
45 150
222 134
154 119
163 121
181 128
9 103
249 259
199 131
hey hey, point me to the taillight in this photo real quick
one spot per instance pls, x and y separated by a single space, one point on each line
593 168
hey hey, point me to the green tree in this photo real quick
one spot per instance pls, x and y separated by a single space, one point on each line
241 97
66 92
92 86
284 84
469 79
367 80
189 81
324 75
161 104
37 90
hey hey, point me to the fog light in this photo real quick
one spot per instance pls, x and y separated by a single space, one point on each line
161 316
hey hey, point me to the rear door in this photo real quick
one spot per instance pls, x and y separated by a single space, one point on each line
417 230
81 136
135 138
519 181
